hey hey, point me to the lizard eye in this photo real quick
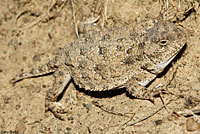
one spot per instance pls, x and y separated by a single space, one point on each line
163 42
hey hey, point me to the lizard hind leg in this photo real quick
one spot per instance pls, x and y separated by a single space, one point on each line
62 78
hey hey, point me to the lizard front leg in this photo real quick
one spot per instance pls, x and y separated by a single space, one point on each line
136 86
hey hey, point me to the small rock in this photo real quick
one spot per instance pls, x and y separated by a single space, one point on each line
36 58
68 128
112 108
158 122
44 86
19 43
172 117
192 125
7 100
24 58
17 107
12 42
70 118
87 106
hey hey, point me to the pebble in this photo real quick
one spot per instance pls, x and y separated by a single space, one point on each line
192 125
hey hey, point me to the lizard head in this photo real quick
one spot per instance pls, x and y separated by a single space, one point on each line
161 43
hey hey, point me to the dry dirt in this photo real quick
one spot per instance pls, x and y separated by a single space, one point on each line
31 31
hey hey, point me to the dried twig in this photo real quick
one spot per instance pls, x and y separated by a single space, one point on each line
105 13
41 17
189 112
144 118
74 19
110 112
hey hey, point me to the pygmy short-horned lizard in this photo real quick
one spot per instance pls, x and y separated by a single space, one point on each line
128 57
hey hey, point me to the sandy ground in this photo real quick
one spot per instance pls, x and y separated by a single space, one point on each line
31 31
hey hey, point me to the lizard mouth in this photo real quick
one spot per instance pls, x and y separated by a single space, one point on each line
161 66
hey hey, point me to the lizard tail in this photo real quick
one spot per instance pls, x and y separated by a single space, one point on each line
42 70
